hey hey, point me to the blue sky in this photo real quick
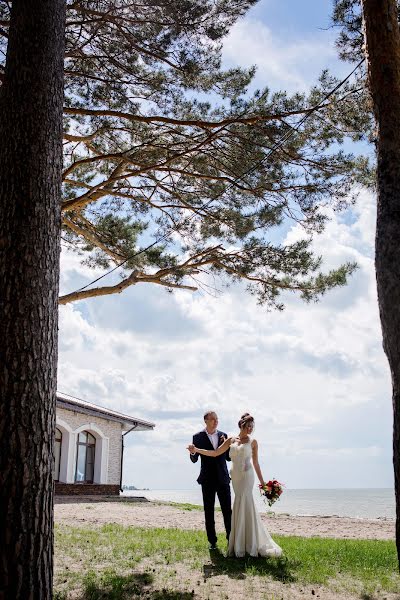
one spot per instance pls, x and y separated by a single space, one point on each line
315 376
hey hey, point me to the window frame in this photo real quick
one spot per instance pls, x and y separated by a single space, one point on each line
57 444
86 445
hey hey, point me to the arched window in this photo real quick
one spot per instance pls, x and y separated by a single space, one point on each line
57 454
85 457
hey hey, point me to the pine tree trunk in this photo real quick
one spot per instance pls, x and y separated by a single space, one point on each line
383 54
31 100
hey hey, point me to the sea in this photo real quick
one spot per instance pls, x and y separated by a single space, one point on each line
369 503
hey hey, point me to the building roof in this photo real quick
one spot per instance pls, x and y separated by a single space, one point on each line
88 408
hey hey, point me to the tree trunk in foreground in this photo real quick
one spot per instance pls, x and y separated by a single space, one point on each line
383 54
31 100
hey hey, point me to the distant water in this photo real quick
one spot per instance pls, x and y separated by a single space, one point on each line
356 503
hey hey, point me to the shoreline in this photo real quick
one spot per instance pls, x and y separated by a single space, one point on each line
189 506
140 512
352 503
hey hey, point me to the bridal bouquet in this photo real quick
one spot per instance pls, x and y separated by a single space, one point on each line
271 491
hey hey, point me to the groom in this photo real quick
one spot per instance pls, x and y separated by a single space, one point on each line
213 478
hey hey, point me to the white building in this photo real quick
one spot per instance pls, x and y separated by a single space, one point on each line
89 446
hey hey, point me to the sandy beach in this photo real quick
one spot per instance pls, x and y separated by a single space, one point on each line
85 512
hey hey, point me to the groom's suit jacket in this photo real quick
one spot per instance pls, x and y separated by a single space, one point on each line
213 469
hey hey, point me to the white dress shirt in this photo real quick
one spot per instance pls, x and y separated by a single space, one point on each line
213 437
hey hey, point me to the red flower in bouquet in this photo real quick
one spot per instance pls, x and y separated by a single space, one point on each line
271 491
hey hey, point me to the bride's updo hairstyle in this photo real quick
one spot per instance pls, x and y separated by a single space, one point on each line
244 419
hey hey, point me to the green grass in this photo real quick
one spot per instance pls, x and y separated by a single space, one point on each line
100 562
186 505
111 586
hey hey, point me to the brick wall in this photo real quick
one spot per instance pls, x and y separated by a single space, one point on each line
85 489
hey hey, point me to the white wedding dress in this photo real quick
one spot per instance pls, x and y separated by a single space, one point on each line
248 535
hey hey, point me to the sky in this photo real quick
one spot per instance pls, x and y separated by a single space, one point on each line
314 376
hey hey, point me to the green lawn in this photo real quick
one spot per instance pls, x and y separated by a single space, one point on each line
115 563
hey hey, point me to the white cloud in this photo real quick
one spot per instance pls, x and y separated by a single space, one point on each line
314 376
291 64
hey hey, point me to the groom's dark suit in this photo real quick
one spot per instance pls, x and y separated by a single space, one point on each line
214 479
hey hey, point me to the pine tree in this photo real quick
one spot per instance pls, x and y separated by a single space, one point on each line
172 170
31 104
382 41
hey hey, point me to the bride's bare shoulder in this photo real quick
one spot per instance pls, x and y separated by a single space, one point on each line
254 443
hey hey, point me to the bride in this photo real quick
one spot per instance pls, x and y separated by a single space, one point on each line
247 534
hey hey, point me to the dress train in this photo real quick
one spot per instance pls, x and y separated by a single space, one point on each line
248 535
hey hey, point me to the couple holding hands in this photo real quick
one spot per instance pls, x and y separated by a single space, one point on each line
244 529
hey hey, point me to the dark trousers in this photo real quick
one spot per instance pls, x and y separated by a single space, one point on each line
224 496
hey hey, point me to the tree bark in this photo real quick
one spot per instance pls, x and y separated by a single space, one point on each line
31 101
382 39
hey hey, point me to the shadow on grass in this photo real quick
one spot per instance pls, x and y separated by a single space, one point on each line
110 586
238 568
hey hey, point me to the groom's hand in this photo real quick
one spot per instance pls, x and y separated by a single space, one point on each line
192 448
222 438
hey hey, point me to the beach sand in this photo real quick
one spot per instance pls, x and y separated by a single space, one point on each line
84 512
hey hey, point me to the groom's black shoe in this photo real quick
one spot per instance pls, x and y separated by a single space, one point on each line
212 547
